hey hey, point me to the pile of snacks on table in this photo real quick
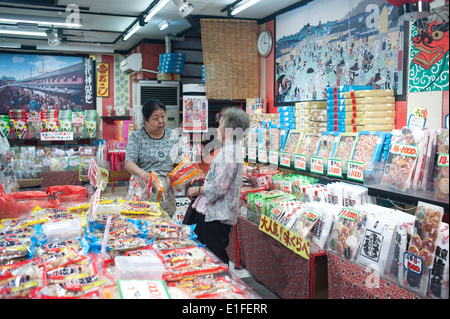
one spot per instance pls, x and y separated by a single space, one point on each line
66 251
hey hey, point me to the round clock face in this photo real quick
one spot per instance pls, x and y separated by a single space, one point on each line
264 43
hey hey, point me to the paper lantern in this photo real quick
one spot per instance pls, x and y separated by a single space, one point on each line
412 9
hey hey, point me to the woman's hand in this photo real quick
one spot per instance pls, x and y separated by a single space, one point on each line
145 178
193 192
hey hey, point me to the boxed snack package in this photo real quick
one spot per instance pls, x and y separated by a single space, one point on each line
368 148
322 228
366 93
309 145
327 145
344 148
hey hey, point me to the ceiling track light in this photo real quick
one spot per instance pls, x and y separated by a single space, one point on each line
132 31
10 45
161 4
48 21
52 36
184 8
241 7
23 32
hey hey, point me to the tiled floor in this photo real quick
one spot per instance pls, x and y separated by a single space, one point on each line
252 283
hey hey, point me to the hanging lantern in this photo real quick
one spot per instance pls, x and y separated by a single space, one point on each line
412 9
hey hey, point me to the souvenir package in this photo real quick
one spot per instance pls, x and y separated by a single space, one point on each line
401 161
89 124
322 228
347 88
77 124
309 145
327 145
335 194
368 148
423 245
140 207
442 173
430 161
252 138
293 142
65 121
353 195
180 257
347 231
305 221
418 172
344 148
376 240
275 138
264 138
4 125
439 275
366 93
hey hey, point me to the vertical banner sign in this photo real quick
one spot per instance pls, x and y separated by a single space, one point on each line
103 79
88 83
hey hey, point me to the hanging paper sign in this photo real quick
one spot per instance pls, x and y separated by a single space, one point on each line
102 79
300 162
316 165
291 240
285 159
273 157
334 168
418 118
262 156
355 171
56 136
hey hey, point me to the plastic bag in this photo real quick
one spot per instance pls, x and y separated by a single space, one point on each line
184 173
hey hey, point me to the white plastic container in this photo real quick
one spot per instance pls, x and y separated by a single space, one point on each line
62 230
138 267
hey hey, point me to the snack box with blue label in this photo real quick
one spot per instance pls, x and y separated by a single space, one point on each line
286 109
327 145
345 128
361 101
367 93
346 88
311 105
368 148
376 107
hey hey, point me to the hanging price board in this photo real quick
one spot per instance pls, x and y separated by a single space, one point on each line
334 168
285 159
316 165
443 160
355 171
300 162
273 157
262 156
412 263
252 154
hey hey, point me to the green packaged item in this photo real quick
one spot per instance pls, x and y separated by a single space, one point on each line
89 124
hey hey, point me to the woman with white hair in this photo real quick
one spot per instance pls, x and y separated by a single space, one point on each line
217 200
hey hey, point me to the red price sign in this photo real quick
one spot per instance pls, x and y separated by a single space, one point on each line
300 162
334 168
251 153
348 214
443 160
412 263
407 150
317 165
285 159
355 171
273 157
262 156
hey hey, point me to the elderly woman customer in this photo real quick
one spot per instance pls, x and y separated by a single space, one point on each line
153 148
222 185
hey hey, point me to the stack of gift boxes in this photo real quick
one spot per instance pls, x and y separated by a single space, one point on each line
360 108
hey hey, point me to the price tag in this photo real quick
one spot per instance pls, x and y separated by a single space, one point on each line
406 150
251 153
285 159
262 156
348 214
355 171
334 168
316 165
412 263
300 162
443 160
273 157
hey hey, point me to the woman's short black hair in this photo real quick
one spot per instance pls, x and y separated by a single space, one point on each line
150 106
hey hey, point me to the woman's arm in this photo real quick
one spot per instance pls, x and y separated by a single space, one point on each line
133 169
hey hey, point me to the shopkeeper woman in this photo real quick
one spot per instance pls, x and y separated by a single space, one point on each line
153 148
217 200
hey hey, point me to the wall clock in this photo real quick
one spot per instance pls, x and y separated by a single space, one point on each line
265 43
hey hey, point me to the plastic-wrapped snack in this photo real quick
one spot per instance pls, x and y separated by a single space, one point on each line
346 235
126 243
442 171
183 173
54 248
77 288
167 244
70 272
12 248
219 285
229 295
192 271
402 158
344 148
184 256
306 221
327 145
439 275
309 145
368 148
423 245
169 230
293 142
275 138
22 286
140 208
322 228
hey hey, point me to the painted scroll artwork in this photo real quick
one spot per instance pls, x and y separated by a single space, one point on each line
429 66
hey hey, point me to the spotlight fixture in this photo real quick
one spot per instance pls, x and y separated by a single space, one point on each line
52 36
184 8
163 24
243 6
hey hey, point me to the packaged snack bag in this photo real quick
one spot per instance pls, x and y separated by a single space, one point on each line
368 148
439 275
442 171
327 145
309 145
322 228
183 173
344 148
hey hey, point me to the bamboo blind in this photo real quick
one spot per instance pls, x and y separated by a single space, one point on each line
230 56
